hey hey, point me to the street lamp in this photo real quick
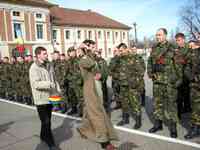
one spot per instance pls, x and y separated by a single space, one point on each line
135 29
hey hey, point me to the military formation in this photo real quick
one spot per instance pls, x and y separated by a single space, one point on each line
173 68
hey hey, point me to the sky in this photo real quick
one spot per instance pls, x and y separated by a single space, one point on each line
149 15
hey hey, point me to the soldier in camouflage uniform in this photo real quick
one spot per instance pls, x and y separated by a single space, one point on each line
20 82
5 79
183 100
193 72
136 100
166 77
60 68
74 81
2 95
114 73
130 80
27 92
13 62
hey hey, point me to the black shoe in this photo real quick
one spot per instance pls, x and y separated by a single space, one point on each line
157 126
138 122
125 119
173 130
73 111
193 132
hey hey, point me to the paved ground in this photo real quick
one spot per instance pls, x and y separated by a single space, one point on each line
19 130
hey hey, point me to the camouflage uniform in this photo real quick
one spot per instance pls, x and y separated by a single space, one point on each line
194 64
193 73
61 69
2 93
27 92
139 69
166 77
183 100
114 72
5 79
20 83
7 76
131 81
75 83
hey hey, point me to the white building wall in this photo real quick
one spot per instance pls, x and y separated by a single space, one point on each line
104 37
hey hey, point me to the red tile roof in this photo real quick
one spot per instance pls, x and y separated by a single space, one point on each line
72 17
38 3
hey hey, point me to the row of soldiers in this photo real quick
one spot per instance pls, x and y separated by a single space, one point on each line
173 69
14 79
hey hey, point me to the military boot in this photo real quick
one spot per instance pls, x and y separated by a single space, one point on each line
157 126
73 111
193 132
138 122
125 119
173 130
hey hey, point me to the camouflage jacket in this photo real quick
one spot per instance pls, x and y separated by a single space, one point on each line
73 76
114 70
131 70
103 68
161 65
193 67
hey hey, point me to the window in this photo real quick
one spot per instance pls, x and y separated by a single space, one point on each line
38 15
99 35
79 34
17 30
124 35
16 13
109 51
89 35
40 31
67 34
116 35
54 34
108 35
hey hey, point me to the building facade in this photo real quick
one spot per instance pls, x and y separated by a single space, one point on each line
71 27
24 23
32 23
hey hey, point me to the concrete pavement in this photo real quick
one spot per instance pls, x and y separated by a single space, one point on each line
20 127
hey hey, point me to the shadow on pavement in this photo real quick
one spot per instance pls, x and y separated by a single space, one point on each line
149 108
6 126
61 133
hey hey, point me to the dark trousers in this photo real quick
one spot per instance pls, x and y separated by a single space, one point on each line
46 135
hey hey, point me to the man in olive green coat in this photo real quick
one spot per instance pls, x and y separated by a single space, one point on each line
96 125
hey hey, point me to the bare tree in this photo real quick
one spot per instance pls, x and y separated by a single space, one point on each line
190 18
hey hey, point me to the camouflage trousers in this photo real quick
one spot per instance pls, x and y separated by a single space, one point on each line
165 106
74 95
116 90
195 97
130 100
